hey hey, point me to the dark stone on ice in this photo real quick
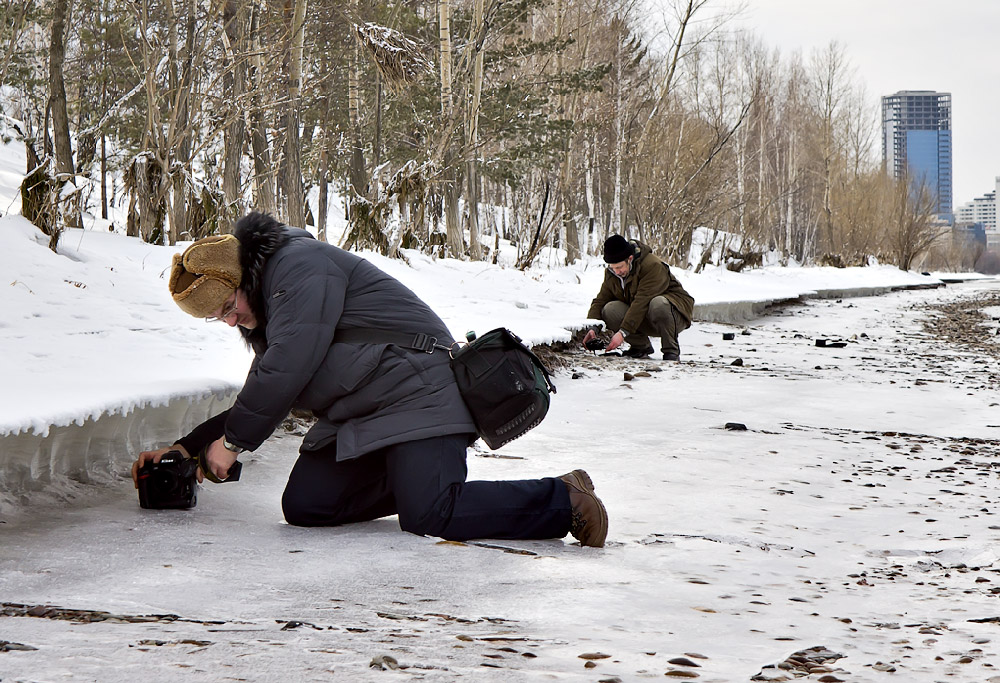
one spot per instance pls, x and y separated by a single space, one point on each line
738 362
682 661
7 646
728 336
736 426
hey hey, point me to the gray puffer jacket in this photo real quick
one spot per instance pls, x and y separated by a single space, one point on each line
365 396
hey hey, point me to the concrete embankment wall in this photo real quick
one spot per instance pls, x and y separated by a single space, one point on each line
735 312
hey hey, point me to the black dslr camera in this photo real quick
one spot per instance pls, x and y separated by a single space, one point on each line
596 344
170 484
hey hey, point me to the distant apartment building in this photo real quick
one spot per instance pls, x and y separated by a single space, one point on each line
982 211
916 142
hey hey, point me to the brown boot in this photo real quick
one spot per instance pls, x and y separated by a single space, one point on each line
589 524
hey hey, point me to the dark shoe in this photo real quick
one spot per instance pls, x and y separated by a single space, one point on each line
638 352
671 356
589 523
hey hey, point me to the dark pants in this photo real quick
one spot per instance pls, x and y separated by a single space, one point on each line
424 483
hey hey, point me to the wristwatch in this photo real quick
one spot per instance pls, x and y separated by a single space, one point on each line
230 446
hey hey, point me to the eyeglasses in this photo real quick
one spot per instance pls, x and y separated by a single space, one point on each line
228 312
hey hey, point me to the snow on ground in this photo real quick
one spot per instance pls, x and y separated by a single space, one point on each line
854 520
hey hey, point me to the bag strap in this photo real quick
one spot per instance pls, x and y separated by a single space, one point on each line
372 335
423 342
473 359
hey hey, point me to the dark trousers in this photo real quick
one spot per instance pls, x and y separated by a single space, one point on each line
424 483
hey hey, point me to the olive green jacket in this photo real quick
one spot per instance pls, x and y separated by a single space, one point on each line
648 277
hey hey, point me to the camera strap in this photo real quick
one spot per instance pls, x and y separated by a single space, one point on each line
234 470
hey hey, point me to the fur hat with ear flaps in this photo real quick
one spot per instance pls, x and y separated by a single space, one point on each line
206 274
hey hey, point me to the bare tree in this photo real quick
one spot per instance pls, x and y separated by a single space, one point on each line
830 85
914 229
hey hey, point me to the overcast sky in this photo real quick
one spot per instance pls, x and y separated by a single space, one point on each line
951 46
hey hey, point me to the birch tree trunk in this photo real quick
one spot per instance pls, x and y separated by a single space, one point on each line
324 184
263 173
566 203
616 204
453 225
294 191
588 182
472 138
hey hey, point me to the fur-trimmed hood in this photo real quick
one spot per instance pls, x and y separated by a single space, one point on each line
365 396
260 235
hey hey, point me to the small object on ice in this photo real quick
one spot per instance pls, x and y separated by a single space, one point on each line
830 343
8 646
383 662
629 377
593 655
728 336
520 304
682 661
738 362
736 426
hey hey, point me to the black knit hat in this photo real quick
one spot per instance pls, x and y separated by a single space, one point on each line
617 249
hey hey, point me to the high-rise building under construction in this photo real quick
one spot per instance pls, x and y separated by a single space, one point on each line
916 142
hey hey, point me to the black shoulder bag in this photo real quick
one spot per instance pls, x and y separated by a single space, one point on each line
504 385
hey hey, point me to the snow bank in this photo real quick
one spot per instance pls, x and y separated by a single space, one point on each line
98 449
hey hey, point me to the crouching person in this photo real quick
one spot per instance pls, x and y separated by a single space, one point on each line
391 431
640 298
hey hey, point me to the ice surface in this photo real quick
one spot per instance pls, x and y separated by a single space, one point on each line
856 513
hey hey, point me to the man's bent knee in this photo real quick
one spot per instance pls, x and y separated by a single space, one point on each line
613 314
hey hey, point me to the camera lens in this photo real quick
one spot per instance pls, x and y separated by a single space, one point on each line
163 481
